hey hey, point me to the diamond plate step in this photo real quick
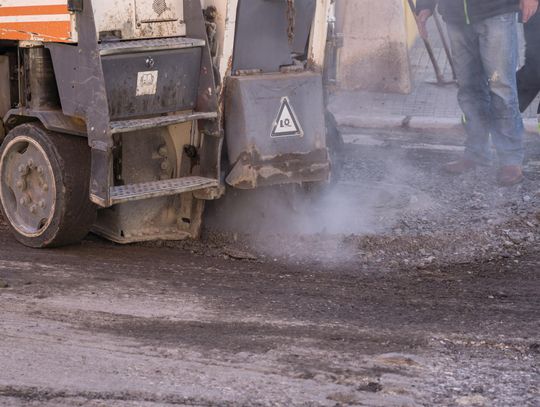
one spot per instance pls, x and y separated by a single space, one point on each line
126 126
135 46
135 192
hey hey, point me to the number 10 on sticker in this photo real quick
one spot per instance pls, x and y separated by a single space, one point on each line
286 123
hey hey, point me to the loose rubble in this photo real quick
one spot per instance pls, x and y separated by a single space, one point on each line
406 212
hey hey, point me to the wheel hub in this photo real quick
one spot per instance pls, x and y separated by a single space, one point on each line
27 186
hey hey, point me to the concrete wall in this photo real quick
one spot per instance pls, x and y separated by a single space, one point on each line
376 39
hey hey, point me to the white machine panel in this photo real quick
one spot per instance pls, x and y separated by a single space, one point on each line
152 11
137 19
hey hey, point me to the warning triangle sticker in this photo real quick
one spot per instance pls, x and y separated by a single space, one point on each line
286 123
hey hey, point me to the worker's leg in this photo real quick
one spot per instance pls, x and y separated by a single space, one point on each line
529 75
473 94
499 50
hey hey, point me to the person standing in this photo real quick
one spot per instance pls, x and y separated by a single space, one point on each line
528 76
484 41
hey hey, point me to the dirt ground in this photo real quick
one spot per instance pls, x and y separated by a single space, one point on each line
397 288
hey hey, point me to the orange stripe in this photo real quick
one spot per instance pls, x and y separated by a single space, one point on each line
47 31
33 10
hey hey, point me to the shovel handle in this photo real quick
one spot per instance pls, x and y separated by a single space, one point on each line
429 49
445 45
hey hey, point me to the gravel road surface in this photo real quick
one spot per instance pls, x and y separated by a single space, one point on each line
396 288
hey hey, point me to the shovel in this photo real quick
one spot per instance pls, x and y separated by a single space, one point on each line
441 81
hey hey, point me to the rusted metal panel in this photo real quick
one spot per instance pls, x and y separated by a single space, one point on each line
262 154
253 171
253 104
37 20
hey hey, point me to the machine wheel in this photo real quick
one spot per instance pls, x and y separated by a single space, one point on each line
44 184
335 145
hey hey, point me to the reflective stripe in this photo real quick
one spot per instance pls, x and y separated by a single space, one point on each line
35 19
466 8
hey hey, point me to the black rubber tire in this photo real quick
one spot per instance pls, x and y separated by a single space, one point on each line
335 145
70 160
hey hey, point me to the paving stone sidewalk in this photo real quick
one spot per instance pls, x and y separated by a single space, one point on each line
427 106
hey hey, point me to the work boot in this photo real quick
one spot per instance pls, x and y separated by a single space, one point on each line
510 175
460 166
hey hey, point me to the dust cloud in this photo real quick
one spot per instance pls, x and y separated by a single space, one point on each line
302 221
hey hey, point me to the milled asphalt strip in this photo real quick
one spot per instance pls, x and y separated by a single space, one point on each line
374 141
423 123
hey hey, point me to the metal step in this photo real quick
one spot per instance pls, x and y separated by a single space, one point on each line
158 44
126 126
135 192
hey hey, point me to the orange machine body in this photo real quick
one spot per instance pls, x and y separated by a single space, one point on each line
37 20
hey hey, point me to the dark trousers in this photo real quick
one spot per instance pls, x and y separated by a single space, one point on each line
529 75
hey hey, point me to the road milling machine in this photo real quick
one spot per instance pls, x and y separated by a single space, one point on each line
123 117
